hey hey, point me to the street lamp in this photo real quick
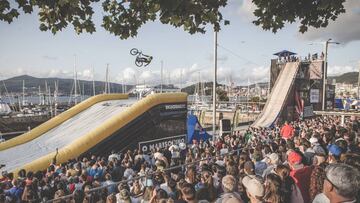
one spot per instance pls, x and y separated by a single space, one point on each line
214 86
326 45
325 71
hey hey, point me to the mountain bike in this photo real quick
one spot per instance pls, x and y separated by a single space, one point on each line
141 58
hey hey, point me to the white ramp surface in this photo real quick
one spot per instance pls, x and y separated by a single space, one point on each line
278 96
62 135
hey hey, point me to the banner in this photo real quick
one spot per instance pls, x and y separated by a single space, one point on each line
308 111
161 143
316 70
314 96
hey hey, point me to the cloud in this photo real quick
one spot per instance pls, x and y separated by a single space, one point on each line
246 11
50 58
184 76
220 58
345 28
338 70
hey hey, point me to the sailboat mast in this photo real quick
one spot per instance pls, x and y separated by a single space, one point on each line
39 95
46 90
50 102
55 98
23 93
106 79
161 76
247 96
93 81
75 81
181 71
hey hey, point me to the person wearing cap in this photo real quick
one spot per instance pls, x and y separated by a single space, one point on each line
300 173
341 184
334 153
272 161
229 186
254 188
314 149
287 131
315 146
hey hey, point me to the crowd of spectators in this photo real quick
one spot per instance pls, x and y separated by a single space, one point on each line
315 160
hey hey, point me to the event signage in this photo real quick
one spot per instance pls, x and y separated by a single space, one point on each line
314 95
147 146
308 111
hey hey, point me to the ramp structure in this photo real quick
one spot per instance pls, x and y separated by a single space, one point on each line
97 125
278 97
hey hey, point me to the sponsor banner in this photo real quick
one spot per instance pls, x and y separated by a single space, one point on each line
175 107
174 110
316 70
308 111
147 146
314 96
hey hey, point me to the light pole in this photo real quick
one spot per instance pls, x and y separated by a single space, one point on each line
214 86
326 45
358 89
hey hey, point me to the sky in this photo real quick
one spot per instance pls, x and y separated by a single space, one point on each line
244 50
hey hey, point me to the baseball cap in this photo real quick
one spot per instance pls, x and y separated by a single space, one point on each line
313 140
182 146
254 186
334 150
294 158
274 158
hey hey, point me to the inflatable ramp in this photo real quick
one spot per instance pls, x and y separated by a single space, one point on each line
278 96
97 125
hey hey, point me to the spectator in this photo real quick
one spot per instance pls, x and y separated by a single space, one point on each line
254 188
300 173
272 161
273 189
287 131
205 180
316 180
15 193
229 186
291 191
342 183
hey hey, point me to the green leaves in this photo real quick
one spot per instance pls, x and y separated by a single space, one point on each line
272 15
124 18
7 14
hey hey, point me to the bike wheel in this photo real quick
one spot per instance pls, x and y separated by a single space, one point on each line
138 63
134 51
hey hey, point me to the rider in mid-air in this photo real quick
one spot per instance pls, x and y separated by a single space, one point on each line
141 58
147 59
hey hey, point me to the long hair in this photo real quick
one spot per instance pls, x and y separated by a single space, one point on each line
288 183
317 180
273 189
208 181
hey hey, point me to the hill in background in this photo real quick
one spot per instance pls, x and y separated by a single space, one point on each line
65 86
348 78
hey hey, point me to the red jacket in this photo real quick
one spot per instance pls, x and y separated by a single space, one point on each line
302 180
287 131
